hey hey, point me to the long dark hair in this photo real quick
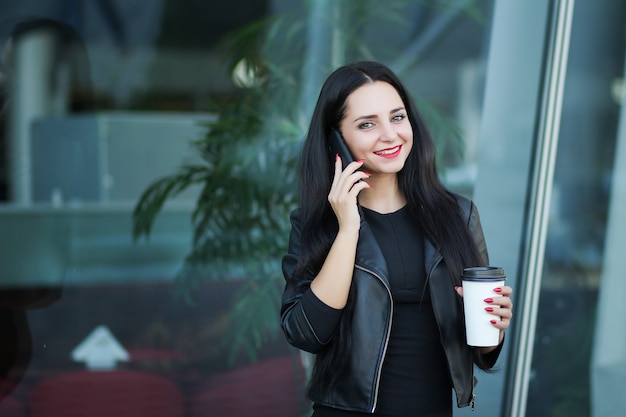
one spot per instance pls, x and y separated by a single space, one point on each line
428 200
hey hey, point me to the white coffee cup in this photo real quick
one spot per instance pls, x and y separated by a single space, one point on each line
478 284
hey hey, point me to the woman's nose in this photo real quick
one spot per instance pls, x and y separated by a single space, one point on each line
388 133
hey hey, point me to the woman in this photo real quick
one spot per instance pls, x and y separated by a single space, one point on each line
375 256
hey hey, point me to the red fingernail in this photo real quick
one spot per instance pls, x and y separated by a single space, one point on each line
489 309
493 321
367 173
336 157
360 160
498 289
488 300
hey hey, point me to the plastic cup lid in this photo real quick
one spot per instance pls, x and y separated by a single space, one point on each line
484 273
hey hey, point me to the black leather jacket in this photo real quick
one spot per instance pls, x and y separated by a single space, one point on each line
356 386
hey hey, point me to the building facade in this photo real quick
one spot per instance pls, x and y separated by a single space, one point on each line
142 145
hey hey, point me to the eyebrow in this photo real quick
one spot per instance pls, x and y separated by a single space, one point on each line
373 116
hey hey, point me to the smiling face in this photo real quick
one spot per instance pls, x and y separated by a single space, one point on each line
376 128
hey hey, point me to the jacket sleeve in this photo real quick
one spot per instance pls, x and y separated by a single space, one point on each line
489 360
295 321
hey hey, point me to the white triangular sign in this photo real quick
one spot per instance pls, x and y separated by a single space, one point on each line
100 350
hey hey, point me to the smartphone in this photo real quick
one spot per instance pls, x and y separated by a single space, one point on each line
337 145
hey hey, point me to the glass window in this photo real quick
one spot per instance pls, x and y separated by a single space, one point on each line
148 168
579 256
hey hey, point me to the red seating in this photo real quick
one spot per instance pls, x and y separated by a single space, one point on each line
106 394
11 407
271 388
13 398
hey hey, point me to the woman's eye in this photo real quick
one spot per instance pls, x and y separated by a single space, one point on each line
398 117
366 125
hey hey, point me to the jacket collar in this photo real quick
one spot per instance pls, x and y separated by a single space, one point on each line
370 256
368 252
431 256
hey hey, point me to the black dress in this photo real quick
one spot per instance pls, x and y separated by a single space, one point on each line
415 379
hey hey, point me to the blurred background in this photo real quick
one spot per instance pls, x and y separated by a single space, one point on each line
148 155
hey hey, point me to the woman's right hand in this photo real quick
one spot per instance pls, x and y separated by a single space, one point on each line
343 193
332 283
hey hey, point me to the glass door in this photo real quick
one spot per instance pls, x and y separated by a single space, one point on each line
578 320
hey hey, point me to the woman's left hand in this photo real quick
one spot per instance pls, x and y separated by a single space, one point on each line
500 306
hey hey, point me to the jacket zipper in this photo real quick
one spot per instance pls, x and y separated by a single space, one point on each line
384 352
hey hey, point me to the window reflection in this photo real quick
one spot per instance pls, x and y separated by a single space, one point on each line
560 384
120 104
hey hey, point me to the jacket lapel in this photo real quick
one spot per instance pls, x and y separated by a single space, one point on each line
368 253
431 256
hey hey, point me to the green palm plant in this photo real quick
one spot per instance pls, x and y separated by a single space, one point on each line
249 156
247 180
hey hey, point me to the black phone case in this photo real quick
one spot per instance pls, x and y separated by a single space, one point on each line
338 146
